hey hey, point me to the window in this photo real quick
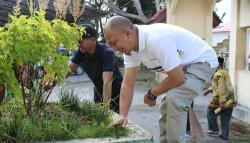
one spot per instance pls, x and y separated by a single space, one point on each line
248 50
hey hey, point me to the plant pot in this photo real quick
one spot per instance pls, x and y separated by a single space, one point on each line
2 93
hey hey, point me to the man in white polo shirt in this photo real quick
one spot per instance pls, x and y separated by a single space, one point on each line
188 60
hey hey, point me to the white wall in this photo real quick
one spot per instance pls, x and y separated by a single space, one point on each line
186 15
244 13
194 15
240 19
218 37
243 85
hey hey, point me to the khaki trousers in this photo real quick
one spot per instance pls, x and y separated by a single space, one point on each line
173 109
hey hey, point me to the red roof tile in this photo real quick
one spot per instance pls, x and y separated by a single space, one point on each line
222 28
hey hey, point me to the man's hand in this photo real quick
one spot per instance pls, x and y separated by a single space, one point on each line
210 105
223 106
148 101
205 92
122 121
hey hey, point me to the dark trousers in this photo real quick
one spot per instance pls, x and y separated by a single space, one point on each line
114 103
225 117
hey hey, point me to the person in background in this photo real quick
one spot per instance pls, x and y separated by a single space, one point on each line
100 65
187 59
188 129
222 93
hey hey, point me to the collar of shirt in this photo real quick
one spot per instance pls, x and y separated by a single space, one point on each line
141 39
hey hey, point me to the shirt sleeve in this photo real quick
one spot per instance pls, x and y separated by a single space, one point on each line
167 54
131 60
77 59
109 60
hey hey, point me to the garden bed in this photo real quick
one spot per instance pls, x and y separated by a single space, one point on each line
28 44
69 119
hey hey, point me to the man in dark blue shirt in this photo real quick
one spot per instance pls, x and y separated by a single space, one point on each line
99 63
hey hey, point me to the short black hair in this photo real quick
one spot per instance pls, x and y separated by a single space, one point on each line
221 61
89 31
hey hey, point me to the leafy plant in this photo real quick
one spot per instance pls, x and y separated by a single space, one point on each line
56 122
7 75
90 112
69 101
27 43
30 67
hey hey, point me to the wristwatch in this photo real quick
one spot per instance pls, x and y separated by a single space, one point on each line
151 96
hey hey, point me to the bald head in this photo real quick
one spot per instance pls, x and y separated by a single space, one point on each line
121 34
117 23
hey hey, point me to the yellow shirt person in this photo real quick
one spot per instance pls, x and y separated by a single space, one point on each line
222 88
222 104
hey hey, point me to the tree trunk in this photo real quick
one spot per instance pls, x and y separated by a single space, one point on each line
137 4
2 93
157 5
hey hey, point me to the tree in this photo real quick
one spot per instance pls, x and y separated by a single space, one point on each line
100 5
136 9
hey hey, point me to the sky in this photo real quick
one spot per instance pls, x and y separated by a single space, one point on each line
221 7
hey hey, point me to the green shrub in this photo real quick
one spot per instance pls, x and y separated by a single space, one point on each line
58 121
69 101
28 43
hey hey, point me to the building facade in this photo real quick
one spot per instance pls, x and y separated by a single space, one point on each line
239 55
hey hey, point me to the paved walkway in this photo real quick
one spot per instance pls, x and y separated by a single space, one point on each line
147 117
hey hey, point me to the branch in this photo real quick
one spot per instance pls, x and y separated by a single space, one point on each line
43 4
157 5
23 92
142 18
137 5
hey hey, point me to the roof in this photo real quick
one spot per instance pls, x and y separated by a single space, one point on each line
222 28
6 8
160 17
